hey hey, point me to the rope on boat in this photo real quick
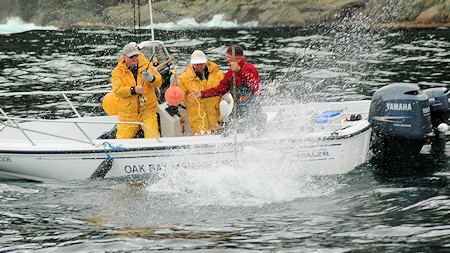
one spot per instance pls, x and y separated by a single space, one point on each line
107 144
202 116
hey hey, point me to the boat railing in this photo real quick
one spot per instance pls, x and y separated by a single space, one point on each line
55 93
13 121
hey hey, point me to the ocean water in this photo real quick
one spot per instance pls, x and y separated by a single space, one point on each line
391 208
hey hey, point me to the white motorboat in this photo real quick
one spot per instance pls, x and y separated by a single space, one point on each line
319 138
70 149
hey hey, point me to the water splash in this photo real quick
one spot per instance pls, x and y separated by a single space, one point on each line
251 184
16 25
217 21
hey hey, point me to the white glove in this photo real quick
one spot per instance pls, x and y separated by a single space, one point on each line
174 79
147 76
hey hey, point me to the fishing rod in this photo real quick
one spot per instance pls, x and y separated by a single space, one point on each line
151 20
138 32
134 18
139 17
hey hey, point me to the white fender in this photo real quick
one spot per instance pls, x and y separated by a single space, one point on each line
226 105
443 128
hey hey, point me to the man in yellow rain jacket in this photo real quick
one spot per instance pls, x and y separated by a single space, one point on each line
202 74
134 81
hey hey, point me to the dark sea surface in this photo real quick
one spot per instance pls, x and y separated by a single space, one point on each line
226 209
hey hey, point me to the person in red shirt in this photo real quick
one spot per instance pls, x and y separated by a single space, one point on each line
245 76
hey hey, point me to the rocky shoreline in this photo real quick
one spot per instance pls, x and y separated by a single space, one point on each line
124 13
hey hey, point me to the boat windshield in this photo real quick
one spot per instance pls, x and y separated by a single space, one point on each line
155 51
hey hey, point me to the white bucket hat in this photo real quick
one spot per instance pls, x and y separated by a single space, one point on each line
198 57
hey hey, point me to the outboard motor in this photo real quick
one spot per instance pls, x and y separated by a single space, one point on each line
400 119
440 112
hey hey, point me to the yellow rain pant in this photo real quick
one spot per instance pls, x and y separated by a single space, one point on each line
128 131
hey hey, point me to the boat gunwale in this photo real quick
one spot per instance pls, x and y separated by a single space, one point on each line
168 146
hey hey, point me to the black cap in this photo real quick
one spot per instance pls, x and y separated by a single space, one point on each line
238 52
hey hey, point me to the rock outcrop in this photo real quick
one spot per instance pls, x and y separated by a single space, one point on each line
118 13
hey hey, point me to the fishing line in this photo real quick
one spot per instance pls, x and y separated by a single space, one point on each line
274 87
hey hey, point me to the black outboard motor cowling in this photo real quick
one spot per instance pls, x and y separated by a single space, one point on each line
400 119
440 112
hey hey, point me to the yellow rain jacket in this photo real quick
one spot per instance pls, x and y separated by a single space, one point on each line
204 113
123 79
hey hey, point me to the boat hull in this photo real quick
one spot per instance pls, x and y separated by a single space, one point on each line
70 149
308 155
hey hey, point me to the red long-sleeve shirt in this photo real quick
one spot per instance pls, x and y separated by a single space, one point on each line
248 75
